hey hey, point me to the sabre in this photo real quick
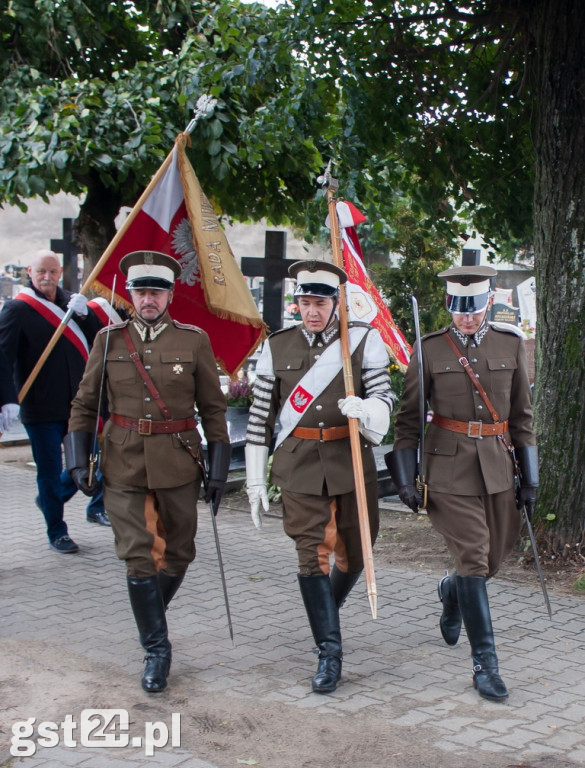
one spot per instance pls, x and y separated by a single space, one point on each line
537 561
94 455
421 486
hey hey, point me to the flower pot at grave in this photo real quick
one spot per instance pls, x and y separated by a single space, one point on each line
237 411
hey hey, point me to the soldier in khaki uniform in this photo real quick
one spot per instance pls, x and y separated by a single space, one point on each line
151 480
299 379
467 464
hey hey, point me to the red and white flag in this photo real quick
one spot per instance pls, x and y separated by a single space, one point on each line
174 216
363 298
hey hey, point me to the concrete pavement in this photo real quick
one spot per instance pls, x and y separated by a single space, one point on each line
397 669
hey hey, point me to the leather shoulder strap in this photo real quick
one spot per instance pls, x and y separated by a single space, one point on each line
134 356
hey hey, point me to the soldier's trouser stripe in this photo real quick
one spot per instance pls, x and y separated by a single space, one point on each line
327 546
155 527
324 525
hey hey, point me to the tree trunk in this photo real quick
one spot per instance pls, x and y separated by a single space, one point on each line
559 216
95 226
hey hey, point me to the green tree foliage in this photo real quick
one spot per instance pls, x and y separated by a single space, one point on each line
93 97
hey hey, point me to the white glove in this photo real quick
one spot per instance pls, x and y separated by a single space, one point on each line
2 430
373 415
78 303
256 485
10 413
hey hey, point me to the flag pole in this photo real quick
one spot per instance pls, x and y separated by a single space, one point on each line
205 105
331 186
93 274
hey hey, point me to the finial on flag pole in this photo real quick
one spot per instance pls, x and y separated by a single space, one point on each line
204 107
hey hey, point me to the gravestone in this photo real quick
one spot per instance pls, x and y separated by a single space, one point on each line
274 269
504 313
66 246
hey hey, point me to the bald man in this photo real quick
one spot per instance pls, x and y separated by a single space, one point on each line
27 324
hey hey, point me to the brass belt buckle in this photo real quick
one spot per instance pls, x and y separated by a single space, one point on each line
474 424
145 426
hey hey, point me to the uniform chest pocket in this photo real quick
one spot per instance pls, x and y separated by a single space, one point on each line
501 373
449 376
176 365
121 369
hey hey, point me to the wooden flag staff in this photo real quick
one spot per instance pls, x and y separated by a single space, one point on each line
331 186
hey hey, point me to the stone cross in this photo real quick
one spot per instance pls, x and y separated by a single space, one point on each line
274 269
66 246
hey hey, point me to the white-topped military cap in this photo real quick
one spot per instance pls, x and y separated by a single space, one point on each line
468 288
150 269
317 278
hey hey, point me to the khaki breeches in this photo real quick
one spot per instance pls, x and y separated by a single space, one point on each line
479 531
322 526
153 529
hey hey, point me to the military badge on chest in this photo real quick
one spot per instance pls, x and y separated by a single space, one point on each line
177 369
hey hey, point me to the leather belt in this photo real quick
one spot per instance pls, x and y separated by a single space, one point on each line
149 427
475 429
324 434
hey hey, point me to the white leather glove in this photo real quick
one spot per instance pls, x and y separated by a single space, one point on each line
10 413
78 303
256 484
373 415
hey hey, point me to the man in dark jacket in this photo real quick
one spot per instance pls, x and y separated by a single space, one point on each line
27 324
9 407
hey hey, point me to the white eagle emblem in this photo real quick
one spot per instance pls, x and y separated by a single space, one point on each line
183 245
299 401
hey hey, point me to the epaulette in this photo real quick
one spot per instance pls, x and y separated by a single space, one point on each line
114 326
187 326
283 330
440 332
507 328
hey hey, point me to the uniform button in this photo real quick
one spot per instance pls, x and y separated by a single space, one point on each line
473 346
448 368
503 365
436 450
319 344
147 367
480 407
321 424
474 360
288 367
147 399
148 351
477 391
317 356
318 407
120 357
148 415
177 358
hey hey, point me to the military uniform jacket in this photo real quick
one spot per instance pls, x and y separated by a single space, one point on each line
182 367
304 465
453 462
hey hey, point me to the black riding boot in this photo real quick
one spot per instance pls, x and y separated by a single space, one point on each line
475 609
324 622
149 611
342 584
450 621
169 586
